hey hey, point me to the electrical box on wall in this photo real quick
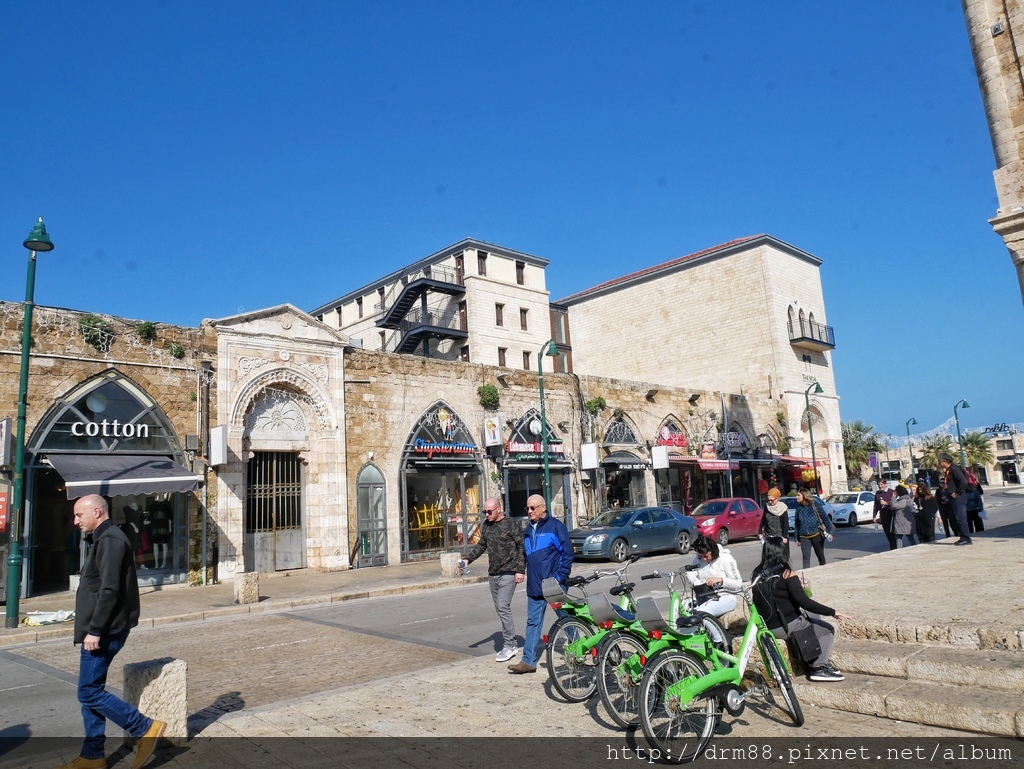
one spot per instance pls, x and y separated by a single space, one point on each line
218 445
659 457
588 457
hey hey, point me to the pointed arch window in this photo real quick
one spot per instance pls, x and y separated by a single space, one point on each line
620 433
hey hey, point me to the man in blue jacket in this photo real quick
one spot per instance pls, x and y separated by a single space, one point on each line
548 554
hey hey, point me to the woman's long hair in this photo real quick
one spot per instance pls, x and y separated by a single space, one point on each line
923 490
703 545
774 559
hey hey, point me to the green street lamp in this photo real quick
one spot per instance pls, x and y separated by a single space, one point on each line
37 242
810 430
959 440
910 446
549 349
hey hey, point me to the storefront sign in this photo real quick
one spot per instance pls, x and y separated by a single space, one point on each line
110 428
431 448
719 464
492 430
520 447
3 513
670 435
708 451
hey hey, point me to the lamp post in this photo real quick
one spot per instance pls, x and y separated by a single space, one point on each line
37 241
549 349
959 440
910 446
810 430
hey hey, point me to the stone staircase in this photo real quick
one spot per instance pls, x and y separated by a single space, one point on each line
976 690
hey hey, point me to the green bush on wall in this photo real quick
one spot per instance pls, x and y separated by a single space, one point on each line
595 405
96 332
177 351
146 331
488 396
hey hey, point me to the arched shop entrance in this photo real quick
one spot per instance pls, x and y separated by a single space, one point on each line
440 486
524 468
107 437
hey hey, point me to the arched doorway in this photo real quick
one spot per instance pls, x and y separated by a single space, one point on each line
372 521
106 436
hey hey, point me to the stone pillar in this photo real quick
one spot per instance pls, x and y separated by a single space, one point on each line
247 587
158 688
450 565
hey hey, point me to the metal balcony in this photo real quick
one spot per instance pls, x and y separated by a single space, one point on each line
419 326
416 285
811 336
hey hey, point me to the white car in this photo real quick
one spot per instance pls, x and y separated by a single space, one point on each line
853 507
790 502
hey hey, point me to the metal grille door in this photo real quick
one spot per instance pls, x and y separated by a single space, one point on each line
274 532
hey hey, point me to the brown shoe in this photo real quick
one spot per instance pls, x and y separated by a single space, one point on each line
85 763
147 743
522 667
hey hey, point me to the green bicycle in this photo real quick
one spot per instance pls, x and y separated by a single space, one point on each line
573 638
683 694
624 652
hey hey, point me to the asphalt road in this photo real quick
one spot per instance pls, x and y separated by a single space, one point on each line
247 662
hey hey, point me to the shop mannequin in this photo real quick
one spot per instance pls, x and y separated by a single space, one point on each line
160 514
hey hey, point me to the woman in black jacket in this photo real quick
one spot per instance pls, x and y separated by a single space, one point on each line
927 509
780 597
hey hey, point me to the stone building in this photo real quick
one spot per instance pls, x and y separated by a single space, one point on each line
115 407
745 317
994 26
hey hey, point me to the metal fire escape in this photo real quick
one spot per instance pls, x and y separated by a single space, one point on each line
414 325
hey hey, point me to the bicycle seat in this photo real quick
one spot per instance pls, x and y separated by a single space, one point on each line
649 615
620 589
687 624
602 610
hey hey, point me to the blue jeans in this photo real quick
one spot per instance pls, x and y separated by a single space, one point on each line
535 608
98 704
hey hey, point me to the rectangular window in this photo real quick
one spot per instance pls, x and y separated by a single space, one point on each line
460 268
465 353
521 273
501 355
522 319
383 340
359 307
1004 445
499 315
481 263
526 361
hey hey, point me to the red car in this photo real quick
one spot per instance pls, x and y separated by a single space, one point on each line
728 518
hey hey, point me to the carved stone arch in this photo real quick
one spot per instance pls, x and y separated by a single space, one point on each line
737 426
802 318
440 422
303 391
810 317
792 315
817 420
672 432
621 431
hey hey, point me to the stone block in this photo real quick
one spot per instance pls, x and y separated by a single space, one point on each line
450 565
247 587
158 688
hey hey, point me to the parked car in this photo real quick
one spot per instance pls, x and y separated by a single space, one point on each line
619 533
791 504
728 518
853 507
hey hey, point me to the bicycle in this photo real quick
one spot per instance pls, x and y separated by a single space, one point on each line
683 699
624 652
573 639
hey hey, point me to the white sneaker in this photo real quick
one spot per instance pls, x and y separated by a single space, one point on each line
506 654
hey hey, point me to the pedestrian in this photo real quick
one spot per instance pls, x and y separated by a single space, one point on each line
715 567
775 519
883 512
548 555
975 505
903 515
106 609
502 539
954 481
781 600
813 526
924 518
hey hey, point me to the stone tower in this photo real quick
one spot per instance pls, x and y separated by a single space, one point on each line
996 29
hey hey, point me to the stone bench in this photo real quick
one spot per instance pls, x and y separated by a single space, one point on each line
158 688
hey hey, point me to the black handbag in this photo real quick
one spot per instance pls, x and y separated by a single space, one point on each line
803 642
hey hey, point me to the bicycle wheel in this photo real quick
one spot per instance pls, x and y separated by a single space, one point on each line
777 670
720 637
574 675
680 732
618 676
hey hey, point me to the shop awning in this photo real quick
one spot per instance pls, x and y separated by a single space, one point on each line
786 459
624 461
719 464
120 474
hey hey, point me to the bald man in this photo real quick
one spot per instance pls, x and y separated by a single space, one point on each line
502 539
106 609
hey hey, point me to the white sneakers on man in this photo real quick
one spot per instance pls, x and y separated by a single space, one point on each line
506 654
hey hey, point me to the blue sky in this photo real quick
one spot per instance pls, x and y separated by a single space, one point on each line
194 160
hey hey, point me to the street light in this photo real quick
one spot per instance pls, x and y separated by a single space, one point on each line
37 241
963 453
810 430
910 446
548 348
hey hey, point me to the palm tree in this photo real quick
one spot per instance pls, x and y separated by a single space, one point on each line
978 449
858 442
932 447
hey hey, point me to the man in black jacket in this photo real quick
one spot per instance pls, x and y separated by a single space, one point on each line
954 484
502 539
106 609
